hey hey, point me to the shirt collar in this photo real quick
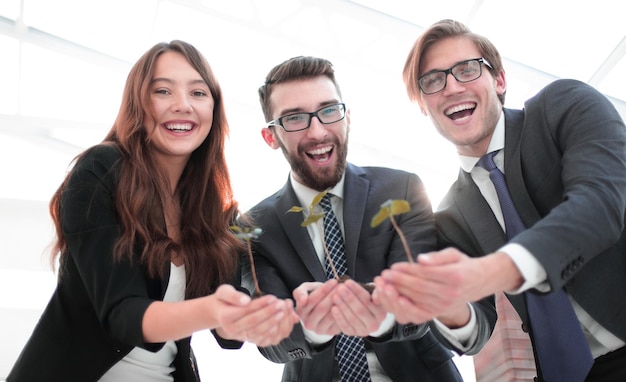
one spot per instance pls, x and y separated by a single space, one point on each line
496 143
306 194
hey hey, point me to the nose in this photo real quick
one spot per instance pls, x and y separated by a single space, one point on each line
452 85
181 104
316 129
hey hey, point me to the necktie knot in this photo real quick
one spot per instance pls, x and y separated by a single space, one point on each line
487 162
325 203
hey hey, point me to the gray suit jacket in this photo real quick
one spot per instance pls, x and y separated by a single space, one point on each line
565 164
284 257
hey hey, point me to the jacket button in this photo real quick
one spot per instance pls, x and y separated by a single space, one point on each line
296 354
524 328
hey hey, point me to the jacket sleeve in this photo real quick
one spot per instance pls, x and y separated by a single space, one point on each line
117 290
579 187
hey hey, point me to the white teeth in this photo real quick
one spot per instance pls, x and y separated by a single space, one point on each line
179 126
321 151
461 107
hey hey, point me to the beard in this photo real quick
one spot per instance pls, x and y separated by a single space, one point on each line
319 179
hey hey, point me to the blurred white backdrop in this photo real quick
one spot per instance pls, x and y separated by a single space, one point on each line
64 64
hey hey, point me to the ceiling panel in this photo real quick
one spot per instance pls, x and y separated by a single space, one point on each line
118 28
563 39
68 59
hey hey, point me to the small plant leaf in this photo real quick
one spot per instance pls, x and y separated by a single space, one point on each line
380 217
318 198
390 208
247 234
387 210
236 228
312 218
399 207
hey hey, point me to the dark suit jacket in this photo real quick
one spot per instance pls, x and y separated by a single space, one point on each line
285 258
94 316
565 165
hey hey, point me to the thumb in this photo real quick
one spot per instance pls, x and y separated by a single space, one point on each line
230 295
446 256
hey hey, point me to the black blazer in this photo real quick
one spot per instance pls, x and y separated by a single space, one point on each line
284 257
94 316
565 164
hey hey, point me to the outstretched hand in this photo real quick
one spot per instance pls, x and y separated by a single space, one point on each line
333 308
438 285
314 301
354 311
264 321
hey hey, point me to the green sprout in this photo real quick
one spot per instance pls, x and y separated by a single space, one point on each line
313 217
247 234
387 210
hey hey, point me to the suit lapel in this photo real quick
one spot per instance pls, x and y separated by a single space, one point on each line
484 226
477 213
356 187
298 235
514 121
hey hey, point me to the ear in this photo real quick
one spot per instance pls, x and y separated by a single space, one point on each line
501 83
270 137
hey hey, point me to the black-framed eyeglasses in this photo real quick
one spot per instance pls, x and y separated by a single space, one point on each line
302 121
465 71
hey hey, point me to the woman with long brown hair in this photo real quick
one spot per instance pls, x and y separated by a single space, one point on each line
143 243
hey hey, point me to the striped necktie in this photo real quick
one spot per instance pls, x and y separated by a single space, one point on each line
351 353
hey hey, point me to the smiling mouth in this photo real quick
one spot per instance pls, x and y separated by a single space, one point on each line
179 127
460 111
320 155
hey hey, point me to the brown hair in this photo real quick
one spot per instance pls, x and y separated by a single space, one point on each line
206 198
438 31
296 68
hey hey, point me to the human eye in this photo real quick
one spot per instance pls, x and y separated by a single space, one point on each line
161 91
466 69
199 93
294 118
432 80
294 121
329 111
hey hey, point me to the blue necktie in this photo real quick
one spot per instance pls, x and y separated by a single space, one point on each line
350 350
560 345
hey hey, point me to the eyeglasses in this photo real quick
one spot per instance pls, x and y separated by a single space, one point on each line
301 121
465 71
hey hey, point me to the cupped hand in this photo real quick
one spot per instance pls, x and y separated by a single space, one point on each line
354 311
264 321
438 284
314 301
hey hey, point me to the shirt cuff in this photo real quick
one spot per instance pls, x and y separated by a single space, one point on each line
388 323
318 339
459 337
533 273
314 338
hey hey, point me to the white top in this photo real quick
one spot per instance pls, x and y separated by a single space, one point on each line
141 365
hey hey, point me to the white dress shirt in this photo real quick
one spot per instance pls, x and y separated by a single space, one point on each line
459 337
600 340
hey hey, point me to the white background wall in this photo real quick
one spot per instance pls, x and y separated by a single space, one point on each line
63 64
